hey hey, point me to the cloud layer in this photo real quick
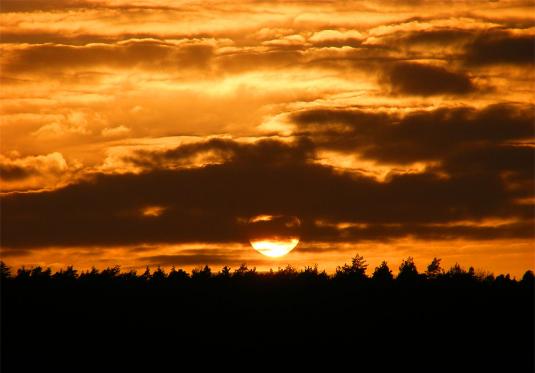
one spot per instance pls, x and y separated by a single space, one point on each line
135 123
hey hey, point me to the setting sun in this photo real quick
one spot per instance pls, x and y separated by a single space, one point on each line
276 247
201 181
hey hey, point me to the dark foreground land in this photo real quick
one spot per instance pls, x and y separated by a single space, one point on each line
110 321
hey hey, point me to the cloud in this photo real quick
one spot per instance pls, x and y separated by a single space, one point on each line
198 257
269 57
70 5
332 38
437 37
137 123
426 80
512 161
13 172
392 232
33 172
44 5
211 203
115 131
147 54
494 48
417 135
263 152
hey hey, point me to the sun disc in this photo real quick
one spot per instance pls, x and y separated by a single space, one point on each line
273 235
274 248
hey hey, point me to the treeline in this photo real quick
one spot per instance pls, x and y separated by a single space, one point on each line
355 271
361 319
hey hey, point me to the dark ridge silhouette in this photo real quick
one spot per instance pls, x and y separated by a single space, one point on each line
455 319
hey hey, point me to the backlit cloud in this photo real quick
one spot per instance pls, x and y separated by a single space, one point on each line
166 125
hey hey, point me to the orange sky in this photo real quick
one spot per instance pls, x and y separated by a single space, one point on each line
147 132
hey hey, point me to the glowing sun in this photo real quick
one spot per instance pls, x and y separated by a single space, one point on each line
274 235
275 248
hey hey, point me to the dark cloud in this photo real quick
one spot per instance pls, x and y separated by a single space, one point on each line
15 36
438 37
426 80
200 257
211 203
391 232
10 253
470 48
273 58
265 152
513 161
184 260
83 38
417 136
369 58
66 5
10 172
493 48
149 54
43 5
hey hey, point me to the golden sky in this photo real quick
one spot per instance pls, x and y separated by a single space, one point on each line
150 132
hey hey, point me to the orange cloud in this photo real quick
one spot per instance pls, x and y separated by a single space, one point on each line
376 122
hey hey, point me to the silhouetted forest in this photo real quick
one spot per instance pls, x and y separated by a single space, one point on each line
433 320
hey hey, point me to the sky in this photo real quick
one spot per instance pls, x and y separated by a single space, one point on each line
151 132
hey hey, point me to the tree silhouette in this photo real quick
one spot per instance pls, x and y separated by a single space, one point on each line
471 272
159 275
110 272
456 272
434 270
5 271
224 273
146 275
68 274
503 281
528 278
154 306
90 275
201 273
382 273
178 276
39 274
130 276
407 270
313 274
355 271
24 274
287 273
244 272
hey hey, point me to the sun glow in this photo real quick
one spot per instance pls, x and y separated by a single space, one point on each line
275 247
152 211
